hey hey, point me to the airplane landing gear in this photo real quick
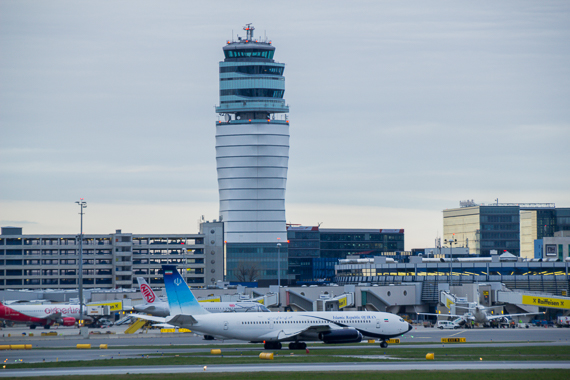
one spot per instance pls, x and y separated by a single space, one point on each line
272 345
383 344
297 346
32 327
47 327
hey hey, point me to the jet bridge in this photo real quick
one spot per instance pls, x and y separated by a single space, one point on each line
297 301
534 299
372 301
268 299
331 303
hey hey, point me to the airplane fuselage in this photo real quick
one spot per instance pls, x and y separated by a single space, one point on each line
258 327
38 314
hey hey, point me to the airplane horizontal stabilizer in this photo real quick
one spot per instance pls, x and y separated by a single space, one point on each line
182 320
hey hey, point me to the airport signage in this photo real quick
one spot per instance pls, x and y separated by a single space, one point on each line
211 300
114 306
453 340
342 302
558 303
393 341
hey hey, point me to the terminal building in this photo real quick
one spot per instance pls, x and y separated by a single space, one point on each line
252 154
110 261
503 227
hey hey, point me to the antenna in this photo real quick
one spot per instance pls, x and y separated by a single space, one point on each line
249 31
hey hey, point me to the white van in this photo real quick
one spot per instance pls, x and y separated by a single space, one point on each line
447 325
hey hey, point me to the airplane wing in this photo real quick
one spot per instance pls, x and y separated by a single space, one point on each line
444 315
284 334
54 316
492 317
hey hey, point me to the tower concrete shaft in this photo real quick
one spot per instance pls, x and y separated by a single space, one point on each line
252 142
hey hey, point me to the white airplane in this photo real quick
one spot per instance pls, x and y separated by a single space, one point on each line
154 306
274 328
41 315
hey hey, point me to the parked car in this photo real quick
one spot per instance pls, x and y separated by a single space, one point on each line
563 321
447 325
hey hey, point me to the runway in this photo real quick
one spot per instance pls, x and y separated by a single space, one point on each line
121 346
287 368
69 337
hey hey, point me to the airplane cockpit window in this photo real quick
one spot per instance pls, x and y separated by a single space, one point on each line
263 309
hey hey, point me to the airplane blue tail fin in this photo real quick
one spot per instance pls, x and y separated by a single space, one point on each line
180 297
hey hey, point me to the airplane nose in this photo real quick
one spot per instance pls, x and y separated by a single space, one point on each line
410 327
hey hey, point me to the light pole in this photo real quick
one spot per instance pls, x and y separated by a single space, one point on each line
82 204
450 242
279 263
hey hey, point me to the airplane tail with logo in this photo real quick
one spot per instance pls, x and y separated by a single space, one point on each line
146 291
180 297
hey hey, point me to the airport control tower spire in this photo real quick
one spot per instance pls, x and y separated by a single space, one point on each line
252 143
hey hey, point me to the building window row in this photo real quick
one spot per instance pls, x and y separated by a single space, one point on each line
253 69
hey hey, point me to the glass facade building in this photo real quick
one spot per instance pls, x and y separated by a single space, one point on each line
504 227
484 229
314 251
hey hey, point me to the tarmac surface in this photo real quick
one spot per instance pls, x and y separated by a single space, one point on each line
115 336
321 367
63 348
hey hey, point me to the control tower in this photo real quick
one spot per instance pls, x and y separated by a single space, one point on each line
252 151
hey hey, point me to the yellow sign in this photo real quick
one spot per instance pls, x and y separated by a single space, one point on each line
453 340
393 341
211 300
342 302
564 293
486 293
559 303
448 303
114 306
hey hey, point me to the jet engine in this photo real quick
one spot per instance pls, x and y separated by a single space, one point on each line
341 336
68 321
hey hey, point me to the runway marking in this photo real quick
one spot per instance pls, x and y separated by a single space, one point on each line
458 333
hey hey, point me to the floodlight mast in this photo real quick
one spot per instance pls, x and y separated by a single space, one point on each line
450 242
82 204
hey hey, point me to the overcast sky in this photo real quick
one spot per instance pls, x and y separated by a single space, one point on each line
398 110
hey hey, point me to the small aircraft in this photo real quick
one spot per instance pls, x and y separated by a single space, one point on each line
154 306
274 328
474 311
41 315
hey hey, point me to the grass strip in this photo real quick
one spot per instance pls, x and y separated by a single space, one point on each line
550 374
523 353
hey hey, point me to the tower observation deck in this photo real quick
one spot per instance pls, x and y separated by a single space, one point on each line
252 142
